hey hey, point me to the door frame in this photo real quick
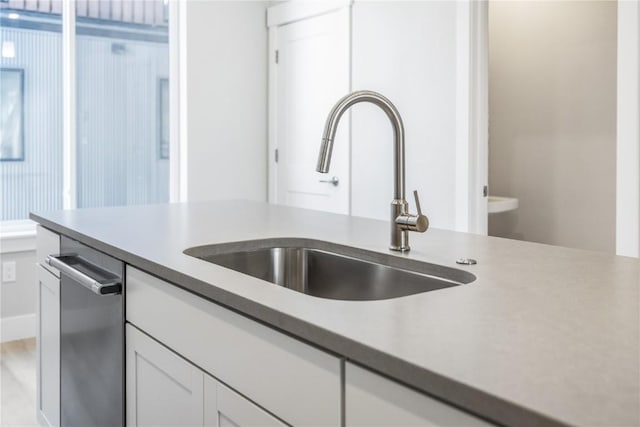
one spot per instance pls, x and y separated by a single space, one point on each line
472 117
278 15
628 130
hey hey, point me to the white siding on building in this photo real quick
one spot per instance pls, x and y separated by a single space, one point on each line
35 183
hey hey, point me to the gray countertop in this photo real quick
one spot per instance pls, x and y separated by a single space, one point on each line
545 335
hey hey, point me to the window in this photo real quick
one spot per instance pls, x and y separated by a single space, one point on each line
121 142
11 112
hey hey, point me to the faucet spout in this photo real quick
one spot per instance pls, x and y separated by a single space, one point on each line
331 126
401 220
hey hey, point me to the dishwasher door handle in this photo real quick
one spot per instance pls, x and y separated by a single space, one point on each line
105 283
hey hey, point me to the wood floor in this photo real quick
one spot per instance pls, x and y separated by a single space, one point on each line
18 383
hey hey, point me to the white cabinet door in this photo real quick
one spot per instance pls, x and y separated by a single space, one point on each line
163 389
310 76
48 342
224 407
372 400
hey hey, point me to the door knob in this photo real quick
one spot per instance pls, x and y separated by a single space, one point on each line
333 181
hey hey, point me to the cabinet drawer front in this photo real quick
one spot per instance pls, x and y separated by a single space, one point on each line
47 243
296 381
372 400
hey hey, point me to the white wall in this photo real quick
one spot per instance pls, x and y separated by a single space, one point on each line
407 52
553 121
226 99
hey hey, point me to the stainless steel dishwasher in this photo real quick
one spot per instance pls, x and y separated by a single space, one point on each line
91 336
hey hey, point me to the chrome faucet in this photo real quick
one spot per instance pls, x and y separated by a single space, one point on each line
401 220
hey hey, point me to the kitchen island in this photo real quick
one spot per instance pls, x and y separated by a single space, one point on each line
544 335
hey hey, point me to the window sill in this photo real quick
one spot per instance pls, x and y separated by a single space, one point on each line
17 236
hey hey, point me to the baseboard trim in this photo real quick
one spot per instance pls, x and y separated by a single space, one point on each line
17 327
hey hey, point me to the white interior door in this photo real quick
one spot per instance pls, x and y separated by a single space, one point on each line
311 74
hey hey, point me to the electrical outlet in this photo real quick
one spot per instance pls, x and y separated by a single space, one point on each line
8 271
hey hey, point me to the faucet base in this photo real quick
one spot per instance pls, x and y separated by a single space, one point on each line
400 249
399 236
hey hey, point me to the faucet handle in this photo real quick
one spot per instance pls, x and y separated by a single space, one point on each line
415 196
419 222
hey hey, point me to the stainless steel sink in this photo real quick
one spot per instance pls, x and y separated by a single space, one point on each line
327 270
